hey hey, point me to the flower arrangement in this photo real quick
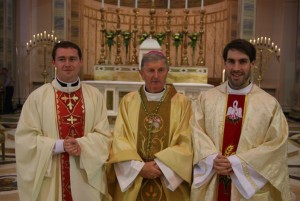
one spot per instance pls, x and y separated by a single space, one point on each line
143 37
193 39
126 37
177 38
110 35
160 37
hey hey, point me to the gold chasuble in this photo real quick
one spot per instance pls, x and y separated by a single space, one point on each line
154 123
231 137
147 130
70 118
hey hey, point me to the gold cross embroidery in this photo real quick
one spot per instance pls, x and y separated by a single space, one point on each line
72 134
75 98
70 105
71 119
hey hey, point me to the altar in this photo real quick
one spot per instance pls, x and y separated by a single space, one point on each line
116 81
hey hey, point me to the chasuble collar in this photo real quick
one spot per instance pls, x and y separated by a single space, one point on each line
154 96
243 91
68 88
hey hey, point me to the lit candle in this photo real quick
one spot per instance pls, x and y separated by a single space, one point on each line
254 42
27 46
136 3
102 4
272 45
251 41
118 3
202 4
223 75
275 48
45 34
186 4
269 41
258 41
265 40
169 5
278 51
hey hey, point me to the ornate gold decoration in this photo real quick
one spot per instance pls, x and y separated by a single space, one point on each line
118 59
185 61
45 41
168 36
102 54
265 49
201 61
134 59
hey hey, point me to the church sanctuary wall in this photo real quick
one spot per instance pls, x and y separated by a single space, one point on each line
278 20
216 23
33 17
80 21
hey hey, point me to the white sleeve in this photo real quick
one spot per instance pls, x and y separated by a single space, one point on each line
203 171
59 147
171 179
245 178
126 173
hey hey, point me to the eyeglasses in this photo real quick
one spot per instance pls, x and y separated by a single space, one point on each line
241 62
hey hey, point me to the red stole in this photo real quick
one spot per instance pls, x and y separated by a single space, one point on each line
231 137
70 119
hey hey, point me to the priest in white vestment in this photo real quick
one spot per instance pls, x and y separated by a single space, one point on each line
239 137
62 138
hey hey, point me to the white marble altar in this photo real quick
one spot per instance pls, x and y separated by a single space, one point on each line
113 91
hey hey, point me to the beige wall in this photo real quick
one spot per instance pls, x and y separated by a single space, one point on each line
274 18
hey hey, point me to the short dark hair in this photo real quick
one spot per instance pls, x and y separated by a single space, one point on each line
153 56
241 45
66 44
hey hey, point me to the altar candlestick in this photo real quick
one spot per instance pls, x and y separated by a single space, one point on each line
223 75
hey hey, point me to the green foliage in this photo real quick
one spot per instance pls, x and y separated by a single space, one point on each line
193 39
110 35
160 37
177 38
126 37
143 37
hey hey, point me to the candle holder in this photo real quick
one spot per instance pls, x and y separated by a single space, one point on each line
265 50
103 31
201 60
152 13
134 59
168 36
118 59
184 60
46 42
